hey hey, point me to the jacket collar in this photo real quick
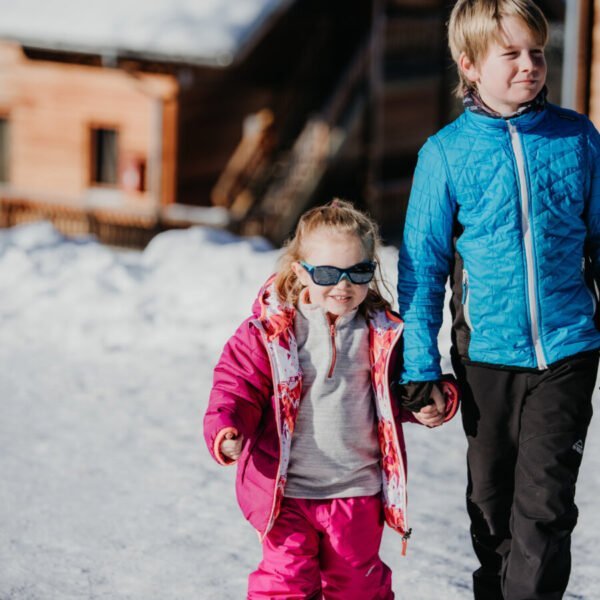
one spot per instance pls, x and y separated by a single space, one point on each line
277 317
472 101
525 122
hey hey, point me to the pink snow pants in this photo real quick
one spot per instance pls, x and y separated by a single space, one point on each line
324 549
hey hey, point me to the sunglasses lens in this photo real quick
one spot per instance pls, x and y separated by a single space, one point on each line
360 277
362 273
326 275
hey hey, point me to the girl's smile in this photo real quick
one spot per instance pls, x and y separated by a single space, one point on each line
342 250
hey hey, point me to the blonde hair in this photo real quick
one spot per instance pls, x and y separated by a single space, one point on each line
474 24
339 216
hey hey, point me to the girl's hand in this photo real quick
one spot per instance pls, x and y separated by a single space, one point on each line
231 446
433 415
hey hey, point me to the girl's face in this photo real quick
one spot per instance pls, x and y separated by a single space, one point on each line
326 247
512 72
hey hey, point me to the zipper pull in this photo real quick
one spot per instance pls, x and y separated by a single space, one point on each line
405 541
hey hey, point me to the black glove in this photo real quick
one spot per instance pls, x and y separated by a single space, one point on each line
415 395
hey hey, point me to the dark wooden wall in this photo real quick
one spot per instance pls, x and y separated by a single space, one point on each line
291 71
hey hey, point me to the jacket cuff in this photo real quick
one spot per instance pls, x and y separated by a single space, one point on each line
414 395
219 456
451 391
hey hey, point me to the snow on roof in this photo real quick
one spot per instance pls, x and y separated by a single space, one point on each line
206 32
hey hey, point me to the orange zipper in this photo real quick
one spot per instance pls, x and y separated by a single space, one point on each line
333 350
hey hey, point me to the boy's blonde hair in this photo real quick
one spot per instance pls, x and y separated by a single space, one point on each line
474 24
339 216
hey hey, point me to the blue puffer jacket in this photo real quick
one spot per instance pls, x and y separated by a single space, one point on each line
511 210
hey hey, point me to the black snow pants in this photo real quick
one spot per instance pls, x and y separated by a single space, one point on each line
526 436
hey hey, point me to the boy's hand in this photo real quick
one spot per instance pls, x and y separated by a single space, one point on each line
231 446
433 415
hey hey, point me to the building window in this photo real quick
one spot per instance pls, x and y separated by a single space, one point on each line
105 144
4 132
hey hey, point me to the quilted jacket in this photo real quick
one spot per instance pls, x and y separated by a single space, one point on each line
257 390
510 209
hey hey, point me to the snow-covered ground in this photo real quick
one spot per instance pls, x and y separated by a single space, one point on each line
106 488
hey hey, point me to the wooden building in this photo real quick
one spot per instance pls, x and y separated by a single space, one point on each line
125 123
154 117
84 135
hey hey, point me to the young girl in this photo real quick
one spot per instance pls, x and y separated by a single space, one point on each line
301 400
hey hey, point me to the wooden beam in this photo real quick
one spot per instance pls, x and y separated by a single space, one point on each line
577 55
585 56
375 124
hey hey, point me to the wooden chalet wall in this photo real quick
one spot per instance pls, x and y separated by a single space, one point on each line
212 108
290 72
52 106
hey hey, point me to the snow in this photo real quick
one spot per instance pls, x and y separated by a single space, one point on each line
107 490
196 31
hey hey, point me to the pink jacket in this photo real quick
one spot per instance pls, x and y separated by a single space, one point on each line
257 389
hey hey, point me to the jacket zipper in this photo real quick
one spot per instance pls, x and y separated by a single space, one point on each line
263 334
333 350
387 397
528 242
466 299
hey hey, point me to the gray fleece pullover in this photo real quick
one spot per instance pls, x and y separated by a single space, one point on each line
335 452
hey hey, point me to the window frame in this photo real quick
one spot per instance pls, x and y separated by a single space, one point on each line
5 151
94 178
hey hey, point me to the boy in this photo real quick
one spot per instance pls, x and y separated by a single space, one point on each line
506 200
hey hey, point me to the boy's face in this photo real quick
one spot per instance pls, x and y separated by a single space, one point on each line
512 72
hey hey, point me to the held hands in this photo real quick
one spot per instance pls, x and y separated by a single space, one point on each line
231 446
432 415
431 403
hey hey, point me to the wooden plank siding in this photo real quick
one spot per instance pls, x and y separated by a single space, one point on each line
52 108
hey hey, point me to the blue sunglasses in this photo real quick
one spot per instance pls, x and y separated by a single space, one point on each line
359 274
